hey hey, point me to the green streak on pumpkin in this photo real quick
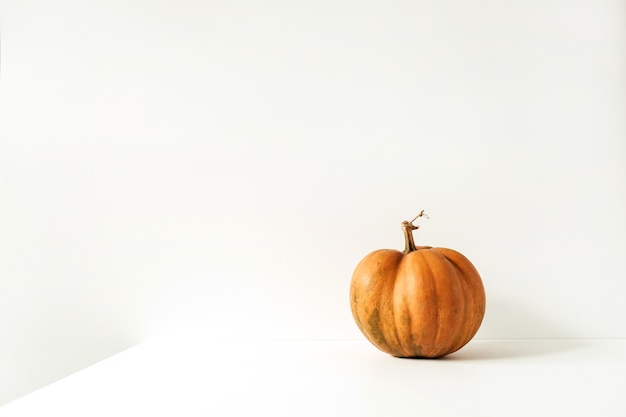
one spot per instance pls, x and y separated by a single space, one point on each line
373 322
416 352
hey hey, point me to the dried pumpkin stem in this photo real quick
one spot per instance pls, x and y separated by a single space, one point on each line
407 228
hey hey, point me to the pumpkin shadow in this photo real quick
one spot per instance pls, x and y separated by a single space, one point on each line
513 331
501 349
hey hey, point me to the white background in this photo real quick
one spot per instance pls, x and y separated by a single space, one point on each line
221 167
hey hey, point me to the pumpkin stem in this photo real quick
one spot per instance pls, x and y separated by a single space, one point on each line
421 214
407 228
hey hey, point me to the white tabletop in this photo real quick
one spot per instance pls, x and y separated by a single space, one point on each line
194 377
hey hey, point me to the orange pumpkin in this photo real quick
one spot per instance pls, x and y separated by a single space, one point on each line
424 302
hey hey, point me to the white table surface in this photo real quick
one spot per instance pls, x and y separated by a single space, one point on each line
194 377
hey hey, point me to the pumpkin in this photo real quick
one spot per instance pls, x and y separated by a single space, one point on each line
424 302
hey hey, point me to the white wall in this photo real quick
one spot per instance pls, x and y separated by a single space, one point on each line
222 166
